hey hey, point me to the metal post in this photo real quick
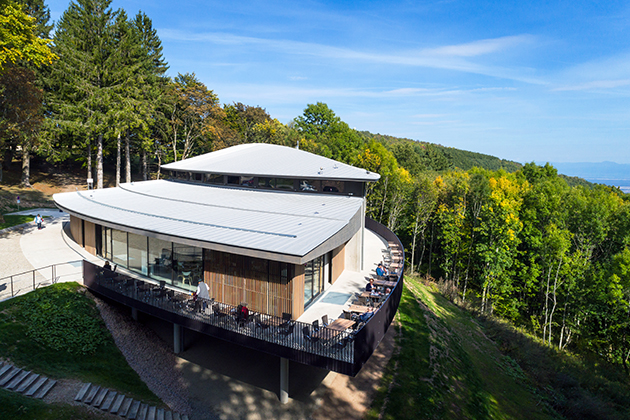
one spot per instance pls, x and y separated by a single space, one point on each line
33 279
134 314
177 339
12 286
284 380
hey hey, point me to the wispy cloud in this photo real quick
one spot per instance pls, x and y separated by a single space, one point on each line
450 57
596 85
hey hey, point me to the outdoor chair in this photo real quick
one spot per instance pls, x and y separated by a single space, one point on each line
316 325
260 323
307 335
324 320
217 311
287 332
343 342
287 320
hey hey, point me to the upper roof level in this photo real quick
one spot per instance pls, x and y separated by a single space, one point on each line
273 161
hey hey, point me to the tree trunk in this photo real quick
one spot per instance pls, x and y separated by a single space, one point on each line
145 168
127 160
26 166
89 159
1 167
99 163
118 160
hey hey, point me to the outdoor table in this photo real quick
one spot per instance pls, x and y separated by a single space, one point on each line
385 283
359 308
340 324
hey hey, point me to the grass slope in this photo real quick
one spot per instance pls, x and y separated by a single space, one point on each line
57 331
446 368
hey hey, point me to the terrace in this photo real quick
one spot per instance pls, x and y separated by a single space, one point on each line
343 346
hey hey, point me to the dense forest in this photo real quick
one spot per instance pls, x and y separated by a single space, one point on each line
548 253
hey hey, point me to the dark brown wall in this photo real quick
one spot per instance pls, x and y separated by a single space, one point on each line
90 237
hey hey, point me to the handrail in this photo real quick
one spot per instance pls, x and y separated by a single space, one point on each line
27 281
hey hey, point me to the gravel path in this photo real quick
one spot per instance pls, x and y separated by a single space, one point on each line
148 355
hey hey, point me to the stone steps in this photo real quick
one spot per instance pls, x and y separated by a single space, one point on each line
114 403
23 382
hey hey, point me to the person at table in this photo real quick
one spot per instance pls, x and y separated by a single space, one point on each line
366 315
202 294
370 286
381 271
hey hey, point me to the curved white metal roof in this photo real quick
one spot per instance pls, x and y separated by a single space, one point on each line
271 160
286 226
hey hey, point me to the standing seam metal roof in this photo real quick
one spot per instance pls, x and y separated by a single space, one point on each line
271 221
271 160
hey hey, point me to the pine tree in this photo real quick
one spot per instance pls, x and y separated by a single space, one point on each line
79 95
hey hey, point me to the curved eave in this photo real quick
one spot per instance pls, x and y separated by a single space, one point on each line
276 226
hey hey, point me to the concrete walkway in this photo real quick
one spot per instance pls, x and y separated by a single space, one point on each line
225 381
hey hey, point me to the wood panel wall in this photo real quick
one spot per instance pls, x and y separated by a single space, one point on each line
233 279
90 237
75 229
338 262
298 292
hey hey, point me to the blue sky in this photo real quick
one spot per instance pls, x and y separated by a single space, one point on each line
526 81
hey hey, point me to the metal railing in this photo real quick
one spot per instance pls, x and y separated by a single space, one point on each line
326 348
27 281
340 351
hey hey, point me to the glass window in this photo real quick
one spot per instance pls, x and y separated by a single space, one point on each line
309 185
138 256
160 259
214 179
107 242
266 182
284 184
247 181
313 284
233 180
119 247
197 177
182 175
333 186
188 266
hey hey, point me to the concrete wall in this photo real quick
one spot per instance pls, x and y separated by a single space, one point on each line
353 252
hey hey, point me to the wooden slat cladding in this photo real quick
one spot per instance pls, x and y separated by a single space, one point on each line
338 262
90 237
298 291
75 229
260 283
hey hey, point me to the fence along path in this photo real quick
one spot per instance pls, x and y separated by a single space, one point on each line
27 281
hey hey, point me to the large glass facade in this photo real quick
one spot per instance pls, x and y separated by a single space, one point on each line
160 259
119 247
188 265
313 284
178 265
138 255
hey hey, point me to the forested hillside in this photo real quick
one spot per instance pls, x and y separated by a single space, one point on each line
518 242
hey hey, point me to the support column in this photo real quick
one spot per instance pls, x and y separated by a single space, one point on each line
178 342
134 314
284 380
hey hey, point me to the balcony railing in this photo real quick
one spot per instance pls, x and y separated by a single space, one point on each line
340 351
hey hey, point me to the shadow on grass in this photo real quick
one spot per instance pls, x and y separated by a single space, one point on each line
576 387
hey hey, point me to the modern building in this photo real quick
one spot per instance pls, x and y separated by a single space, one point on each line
264 224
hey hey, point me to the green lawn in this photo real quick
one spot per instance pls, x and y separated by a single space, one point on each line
14 220
17 407
446 368
57 331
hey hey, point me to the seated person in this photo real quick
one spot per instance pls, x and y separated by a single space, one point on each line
107 270
366 315
381 271
370 286
242 314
